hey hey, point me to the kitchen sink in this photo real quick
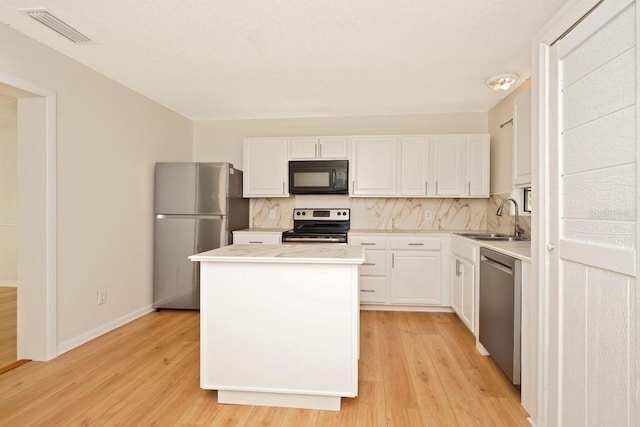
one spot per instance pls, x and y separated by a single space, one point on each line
494 237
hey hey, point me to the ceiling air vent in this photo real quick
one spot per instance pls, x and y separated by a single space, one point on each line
46 18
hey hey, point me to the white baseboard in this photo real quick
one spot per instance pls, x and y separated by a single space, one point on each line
8 284
95 333
414 308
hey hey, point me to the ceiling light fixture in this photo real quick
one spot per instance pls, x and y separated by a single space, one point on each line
501 81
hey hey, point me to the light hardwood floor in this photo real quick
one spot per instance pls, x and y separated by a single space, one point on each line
416 369
8 322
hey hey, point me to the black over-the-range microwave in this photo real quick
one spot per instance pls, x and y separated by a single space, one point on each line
319 177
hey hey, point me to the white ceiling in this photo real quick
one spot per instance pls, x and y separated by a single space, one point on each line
237 59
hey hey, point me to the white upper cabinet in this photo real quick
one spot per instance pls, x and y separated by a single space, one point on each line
461 165
324 147
445 166
265 165
478 162
522 139
416 171
449 163
380 165
374 166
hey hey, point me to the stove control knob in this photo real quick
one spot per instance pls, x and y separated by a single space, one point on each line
344 213
304 213
339 213
297 213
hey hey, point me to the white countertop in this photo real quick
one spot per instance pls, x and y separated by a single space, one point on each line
289 253
261 230
398 232
520 250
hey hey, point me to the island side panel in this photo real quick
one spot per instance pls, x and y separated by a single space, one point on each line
280 328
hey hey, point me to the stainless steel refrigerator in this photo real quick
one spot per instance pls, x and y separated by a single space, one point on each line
197 206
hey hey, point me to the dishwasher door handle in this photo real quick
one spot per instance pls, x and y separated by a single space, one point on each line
496 264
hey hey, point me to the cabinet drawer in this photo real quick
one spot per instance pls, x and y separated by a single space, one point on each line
372 289
371 242
257 238
416 243
375 263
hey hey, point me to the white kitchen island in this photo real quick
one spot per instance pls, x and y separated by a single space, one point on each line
279 324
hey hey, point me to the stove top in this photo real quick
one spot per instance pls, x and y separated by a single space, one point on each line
318 226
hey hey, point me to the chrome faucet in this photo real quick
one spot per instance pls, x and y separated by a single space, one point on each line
517 230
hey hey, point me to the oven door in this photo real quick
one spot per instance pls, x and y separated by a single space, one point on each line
319 177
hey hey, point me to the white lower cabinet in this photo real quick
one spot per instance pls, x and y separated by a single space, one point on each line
463 290
257 237
464 268
403 271
415 277
373 272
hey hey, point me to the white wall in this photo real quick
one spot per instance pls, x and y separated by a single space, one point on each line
8 191
502 142
222 140
108 139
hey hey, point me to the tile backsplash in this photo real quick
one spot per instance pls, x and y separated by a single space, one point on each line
394 213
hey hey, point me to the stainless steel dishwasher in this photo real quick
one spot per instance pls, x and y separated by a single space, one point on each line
500 296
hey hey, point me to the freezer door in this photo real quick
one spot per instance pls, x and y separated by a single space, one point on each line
176 280
191 188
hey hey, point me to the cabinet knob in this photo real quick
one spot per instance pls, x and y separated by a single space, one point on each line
550 247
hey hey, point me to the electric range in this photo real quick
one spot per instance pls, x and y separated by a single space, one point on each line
318 226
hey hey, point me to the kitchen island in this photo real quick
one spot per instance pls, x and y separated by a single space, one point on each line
279 324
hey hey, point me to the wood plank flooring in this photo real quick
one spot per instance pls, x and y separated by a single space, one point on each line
8 325
416 369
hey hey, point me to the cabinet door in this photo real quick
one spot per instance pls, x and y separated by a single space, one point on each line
415 168
468 294
415 277
303 148
332 148
456 286
373 166
265 167
522 139
324 147
449 165
477 170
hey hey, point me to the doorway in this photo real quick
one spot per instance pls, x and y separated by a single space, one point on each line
8 229
36 218
588 223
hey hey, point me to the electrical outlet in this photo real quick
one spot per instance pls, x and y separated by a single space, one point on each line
102 296
428 215
272 214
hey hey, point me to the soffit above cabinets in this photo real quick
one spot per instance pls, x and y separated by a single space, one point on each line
306 58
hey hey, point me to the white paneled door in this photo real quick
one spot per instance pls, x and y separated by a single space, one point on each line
591 238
